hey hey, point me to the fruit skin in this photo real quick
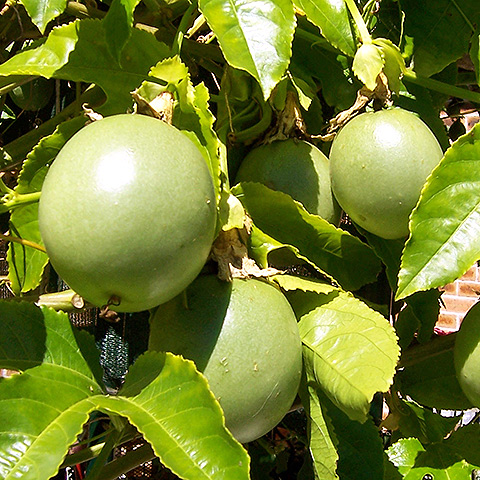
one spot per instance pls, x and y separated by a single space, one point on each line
127 212
379 162
297 168
244 337
466 355
33 95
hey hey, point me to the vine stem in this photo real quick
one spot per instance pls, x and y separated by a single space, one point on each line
23 241
359 22
447 89
425 351
182 28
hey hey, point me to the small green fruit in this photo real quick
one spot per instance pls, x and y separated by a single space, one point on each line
33 95
379 162
244 337
128 213
297 168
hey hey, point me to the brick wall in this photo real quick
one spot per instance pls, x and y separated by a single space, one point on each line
457 298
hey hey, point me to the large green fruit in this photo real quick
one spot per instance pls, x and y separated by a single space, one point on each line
379 162
128 212
244 337
467 355
297 168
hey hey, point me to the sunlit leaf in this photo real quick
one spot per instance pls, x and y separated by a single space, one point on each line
331 16
179 416
79 52
341 255
291 282
321 445
255 36
445 225
42 11
367 64
352 350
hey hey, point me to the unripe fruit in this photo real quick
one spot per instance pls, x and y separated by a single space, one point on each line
127 212
244 337
467 355
33 95
379 162
297 168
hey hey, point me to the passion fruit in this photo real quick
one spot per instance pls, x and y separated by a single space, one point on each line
466 354
128 213
244 337
33 95
297 168
379 162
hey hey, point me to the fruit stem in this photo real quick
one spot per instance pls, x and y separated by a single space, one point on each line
447 89
68 301
13 200
23 241
418 353
359 22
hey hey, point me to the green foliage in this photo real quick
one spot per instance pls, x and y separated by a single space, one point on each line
224 73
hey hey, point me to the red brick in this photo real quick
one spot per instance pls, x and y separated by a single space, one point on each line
457 304
468 289
450 289
471 273
448 321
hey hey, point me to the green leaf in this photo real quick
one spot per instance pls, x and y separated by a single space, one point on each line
46 337
26 264
291 282
118 25
254 36
79 52
367 64
413 420
433 383
359 445
334 251
454 458
321 445
179 416
427 23
340 325
42 11
475 53
333 20
445 224
191 112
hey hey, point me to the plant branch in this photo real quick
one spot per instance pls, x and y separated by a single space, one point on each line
23 241
424 351
447 89
182 28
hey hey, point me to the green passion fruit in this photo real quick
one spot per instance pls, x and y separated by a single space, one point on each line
244 337
379 162
33 95
127 212
466 354
297 168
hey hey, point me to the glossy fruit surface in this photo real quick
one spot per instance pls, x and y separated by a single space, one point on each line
297 168
33 95
467 355
379 162
127 212
244 337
